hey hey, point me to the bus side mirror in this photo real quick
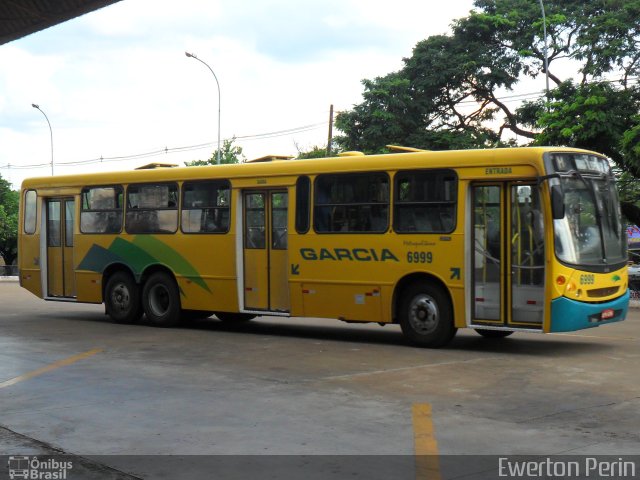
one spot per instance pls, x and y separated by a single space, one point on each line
557 202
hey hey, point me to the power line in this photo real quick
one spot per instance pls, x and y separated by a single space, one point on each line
264 136
542 93
167 150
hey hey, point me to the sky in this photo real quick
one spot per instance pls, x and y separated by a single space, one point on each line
118 89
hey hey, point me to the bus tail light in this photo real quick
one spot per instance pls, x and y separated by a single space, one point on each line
561 280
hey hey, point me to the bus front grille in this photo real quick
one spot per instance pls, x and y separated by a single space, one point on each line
602 292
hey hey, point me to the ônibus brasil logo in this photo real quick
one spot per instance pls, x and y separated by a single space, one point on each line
34 468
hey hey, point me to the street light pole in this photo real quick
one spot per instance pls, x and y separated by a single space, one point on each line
546 57
37 107
191 55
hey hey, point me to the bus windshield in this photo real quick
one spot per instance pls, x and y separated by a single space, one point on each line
591 233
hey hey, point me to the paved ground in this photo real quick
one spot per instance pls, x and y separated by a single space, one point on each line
72 382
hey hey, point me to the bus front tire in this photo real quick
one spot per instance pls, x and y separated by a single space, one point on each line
161 300
426 317
122 298
493 333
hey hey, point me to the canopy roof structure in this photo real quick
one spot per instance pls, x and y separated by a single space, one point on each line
19 18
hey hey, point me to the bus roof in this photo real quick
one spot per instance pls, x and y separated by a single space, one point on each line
391 161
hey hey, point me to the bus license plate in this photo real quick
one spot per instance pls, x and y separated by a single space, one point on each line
606 314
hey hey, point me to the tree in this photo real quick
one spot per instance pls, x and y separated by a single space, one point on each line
8 222
455 90
595 116
315 152
229 154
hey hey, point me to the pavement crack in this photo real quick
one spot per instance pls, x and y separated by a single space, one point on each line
572 410
81 463
411 367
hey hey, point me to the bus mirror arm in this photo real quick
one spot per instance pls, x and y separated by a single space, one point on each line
544 178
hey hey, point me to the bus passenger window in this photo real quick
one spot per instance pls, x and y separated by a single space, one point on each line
351 203
205 206
101 209
303 200
152 208
425 201
30 210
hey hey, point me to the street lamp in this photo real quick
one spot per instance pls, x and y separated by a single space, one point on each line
50 132
191 55
546 57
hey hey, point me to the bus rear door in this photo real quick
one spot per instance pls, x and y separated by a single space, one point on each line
265 251
59 237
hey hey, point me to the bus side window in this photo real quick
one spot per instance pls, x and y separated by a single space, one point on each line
351 202
152 208
101 209
425 201
205 206
30 210
303 201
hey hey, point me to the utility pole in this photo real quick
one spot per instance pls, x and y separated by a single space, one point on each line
330 131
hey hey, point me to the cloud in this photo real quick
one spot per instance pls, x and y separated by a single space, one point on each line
117 82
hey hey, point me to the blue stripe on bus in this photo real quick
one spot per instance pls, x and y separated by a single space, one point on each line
568 315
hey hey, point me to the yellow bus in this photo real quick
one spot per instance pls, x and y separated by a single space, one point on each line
500 241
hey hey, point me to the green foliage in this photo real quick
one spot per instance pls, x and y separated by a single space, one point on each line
631 147
446 95
315 152
594 116
229 154
8 222
450 93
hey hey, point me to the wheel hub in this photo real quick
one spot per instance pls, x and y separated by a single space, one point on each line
423 314
159 301
121 297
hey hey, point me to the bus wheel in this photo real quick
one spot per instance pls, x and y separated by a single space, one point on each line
426 318
122 298
234 317
493 333
161 300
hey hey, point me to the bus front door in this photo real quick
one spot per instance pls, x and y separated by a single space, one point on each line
507 255
60 221
265 250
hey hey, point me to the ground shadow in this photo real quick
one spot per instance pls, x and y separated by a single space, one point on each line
332 330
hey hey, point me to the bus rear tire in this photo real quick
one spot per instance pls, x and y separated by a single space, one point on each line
122 298
228 317
161 300
493 333
426 317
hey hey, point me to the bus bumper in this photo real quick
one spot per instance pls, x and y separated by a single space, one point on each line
568 315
